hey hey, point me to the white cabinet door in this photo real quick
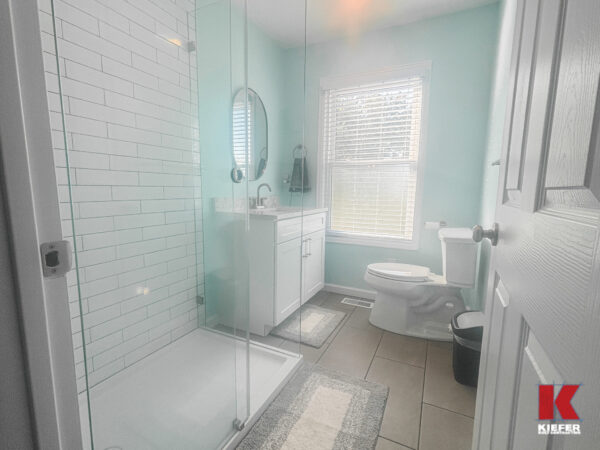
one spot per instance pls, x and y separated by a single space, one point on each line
313 261
288 268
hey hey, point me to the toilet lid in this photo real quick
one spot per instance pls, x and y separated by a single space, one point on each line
399 272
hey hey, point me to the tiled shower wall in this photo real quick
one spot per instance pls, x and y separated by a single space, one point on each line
129 96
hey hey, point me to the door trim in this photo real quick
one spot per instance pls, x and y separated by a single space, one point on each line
30 182
509 32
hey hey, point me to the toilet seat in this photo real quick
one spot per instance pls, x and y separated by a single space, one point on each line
400 272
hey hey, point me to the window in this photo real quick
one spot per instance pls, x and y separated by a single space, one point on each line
371 141
242 115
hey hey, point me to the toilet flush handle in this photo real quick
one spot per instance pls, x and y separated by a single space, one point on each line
492 234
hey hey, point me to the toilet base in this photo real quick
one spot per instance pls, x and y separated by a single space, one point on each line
395 314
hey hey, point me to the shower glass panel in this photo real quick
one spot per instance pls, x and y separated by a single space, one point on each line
242 146
275 73
154 266
221 73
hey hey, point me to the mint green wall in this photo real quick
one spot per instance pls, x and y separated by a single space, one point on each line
267 77
462 50
221 73
490 173
219 70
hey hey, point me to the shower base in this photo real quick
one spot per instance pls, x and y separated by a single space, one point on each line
185 396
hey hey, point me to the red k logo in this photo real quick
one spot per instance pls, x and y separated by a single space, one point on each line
547 402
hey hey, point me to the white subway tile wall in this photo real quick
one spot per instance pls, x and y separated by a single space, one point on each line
130 104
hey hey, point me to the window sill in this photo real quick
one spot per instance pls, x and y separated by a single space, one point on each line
372 241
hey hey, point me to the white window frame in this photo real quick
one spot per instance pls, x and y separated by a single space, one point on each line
421 69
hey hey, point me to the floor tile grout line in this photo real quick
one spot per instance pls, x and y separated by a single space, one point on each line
422 395
327 345
449 410
343 324
401 362
395 442
346 323
373 357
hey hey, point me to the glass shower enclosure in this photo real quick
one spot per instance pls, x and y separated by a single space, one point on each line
141 100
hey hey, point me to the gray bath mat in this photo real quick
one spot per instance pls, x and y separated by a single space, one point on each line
310 325
320 409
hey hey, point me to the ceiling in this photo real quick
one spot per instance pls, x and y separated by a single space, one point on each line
332 19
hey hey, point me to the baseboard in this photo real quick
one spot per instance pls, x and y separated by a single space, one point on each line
351 291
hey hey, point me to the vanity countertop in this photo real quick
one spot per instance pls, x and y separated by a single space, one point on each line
281 212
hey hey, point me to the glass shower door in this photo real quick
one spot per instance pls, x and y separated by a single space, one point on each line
122 81
222 64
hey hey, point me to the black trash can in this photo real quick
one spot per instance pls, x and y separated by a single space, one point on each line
467 331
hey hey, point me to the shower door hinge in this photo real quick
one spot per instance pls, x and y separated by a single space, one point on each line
238 424
56 258
199 300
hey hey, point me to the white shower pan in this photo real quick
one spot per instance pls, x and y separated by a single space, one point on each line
170 398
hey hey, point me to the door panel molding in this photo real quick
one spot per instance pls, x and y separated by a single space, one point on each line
507 196
572 165
548 254
490 358
549 42
523 91
579 67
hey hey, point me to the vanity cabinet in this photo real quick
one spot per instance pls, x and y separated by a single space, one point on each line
288 269
287 265
313 265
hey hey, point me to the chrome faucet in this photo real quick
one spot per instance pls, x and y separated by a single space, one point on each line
259 201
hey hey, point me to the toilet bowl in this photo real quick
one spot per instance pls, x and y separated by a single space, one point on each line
413 301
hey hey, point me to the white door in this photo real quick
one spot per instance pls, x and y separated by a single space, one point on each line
289 269
313 271
543 303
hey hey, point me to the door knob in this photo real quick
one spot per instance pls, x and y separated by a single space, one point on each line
479 233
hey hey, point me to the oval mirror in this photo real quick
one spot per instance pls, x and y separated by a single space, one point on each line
255 121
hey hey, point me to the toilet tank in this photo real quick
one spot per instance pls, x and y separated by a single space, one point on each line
459 256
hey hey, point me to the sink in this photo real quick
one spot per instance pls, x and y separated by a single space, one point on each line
278 210
283 212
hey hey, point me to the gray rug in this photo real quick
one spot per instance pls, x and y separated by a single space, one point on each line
310 325
320 409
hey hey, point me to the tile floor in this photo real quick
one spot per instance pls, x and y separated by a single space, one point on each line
426 408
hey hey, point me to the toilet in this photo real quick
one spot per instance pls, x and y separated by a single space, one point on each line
413 301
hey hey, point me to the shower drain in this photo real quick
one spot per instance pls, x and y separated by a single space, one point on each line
356 302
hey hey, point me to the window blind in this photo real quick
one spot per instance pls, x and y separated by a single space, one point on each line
370 146
241 125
